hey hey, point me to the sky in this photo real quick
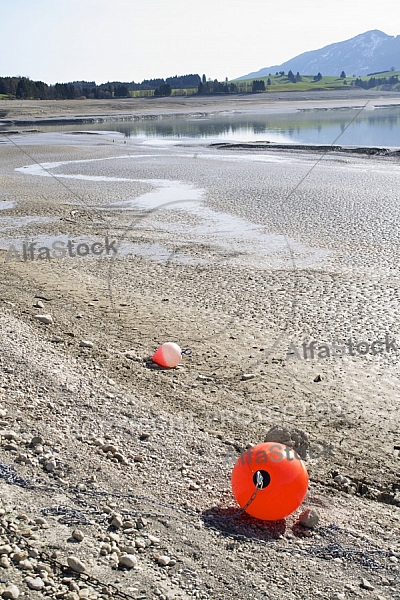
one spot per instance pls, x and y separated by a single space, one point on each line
131 40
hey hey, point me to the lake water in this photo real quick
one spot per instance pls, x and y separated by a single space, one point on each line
370 127
378 127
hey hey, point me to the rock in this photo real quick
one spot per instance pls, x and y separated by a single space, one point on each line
140 542
9 435
117 522
153 539
13 447
46 319
317 379
77 535
294 438
38 304
85 344
25 565
141 523
248 376
127 560
110 381
105 548
76 565
120 458
338 596
36 440
11 592
56 339
6 549
71 596
365 585
4 562
132 356
309 518
18 556
34 583
51 466
204 378
163 560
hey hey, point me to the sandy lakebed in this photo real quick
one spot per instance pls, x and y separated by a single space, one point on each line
247 255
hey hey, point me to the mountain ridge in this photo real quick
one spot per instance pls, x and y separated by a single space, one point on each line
367 52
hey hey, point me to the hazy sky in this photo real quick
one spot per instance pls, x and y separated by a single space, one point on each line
130 40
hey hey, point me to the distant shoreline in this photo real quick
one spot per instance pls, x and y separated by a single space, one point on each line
22 113
369 150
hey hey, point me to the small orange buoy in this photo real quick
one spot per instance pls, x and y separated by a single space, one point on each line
168 355
284 481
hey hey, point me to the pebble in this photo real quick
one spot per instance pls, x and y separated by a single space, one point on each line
11 592
71 596
46 319
25 565
37 439
51 466
248 376
4 562
132 356
365 585
77 535
153 539
76 565
163 560
86 344
127 560
338 596
34 583
309 518
117 522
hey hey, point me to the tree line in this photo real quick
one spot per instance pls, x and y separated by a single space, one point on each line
24 88
376 81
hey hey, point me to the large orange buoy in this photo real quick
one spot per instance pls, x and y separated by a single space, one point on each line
168 355
283 486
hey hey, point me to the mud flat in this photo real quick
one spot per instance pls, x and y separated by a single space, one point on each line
237 255
31 112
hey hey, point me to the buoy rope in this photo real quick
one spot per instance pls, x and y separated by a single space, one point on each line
259 486
187 352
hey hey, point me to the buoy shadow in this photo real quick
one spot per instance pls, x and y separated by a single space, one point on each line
231 522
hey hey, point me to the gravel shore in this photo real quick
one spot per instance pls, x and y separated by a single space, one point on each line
114 475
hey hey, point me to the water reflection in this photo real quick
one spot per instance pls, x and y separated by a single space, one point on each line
310 127
378 127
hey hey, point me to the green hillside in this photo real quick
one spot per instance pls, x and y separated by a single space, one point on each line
280 83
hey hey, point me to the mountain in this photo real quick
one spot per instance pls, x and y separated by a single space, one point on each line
369 52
